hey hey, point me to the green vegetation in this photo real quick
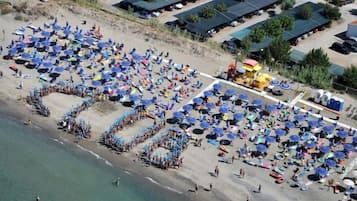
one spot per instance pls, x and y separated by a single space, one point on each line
273 27
245 45
278 50
336 2
150 0
208 12
222 7
316 57
287 4
5 7
305 12
349 77
287 22
193 18
317 76
331 12
86 2
257 35
19 17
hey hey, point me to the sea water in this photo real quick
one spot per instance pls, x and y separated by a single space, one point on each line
32 164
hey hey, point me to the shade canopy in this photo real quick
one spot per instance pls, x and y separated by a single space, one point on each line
243 97
271 108
331 163
191 120
257 102
270 139
179 115
187 108
328 129
348 182
310 144
207 93
238 116
294 138
261 148
289 125
224 109
198 100
348 147
210 105
299 117
320 171
313 124
340 155
325 149
218 131
205 125
280 132
217 86
342 134
230 92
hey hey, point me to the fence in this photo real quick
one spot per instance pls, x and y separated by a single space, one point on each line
344 88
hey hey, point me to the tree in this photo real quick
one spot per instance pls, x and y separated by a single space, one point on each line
257 35
336 2
222 7
273 27
316 57
287 22
193 18
287 4
349 77
208 12
279 49
331 12
305 12
245 44
316 76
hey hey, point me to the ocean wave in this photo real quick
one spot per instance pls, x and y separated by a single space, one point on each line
97 156
127 172
173 190
153 181
56 140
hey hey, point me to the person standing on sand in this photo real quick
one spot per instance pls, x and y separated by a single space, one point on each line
3 34
210 187
259 188
196 187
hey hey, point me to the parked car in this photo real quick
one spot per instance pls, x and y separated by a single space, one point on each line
351 44
230 46
339 47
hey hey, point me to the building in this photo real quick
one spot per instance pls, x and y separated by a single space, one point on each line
148 6
235 10
352 30
301 28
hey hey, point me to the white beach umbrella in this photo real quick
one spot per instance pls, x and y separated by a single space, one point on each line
348 182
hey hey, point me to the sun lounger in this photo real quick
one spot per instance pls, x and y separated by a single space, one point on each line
250 162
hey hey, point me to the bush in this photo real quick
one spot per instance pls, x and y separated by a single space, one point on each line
317 57
257 35
287 4
336 2
315 76
287 22
21 7
208 12
273 27
193 18
222 7
305 12
349 77
331 12
6 9
18 17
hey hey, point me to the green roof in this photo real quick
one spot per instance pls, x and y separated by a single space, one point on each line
300 26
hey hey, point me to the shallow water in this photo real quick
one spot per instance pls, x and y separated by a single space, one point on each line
33 164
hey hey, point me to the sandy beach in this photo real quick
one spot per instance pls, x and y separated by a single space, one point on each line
199 162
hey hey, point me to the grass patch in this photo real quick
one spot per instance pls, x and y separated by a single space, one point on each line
5 9
19 17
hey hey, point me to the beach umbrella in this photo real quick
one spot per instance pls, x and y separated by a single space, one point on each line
187 108
134 98
12 51
68 52
57 48
96 83
230 92
330 163
313 124
232 136
348 182
299 117
280 132
210 105
34 39
270 139
45 43
191 120
121 92
289 125
238 116
275 83
45 34
78 36
320 171
208 93
257 102
325 149
125 63
224 109
354 140
21 45
348 147
270 108
67 31
136 56
218 131
243 97
106 76
285 86
198 101
261 148
205 125
56 27
146 102
294 138
217 87
89 40
59 69
339 155
328 129
342 134
310 144
178 115
116 69
102 44
26 56
47 64
36 60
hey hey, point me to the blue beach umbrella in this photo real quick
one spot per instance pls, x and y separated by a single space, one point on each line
191 120
275 83
125 63
241 70
270 139
205 125
257 102
56 27
59 69
26 56
47 64
218 131
96 83
68 52
146 102
45 34
238 116
210 105
136 57
327 129
36 60
224 109
243 97
102 44
230 92
285 86
348 147
310 144
342 134
340 155
261 148
299 117
21 45
89 40
280 132
187 108
313 124
232 136
12 51
67 31
198 101
78 36
208 93
57 48
294 138
45 43
217 87
289 125
121 92
134 98
116 69
178 115
320 171
325 149
354 140
270 108
331 163
106 76
34 39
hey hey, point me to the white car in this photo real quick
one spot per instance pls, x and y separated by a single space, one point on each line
156 14
178 6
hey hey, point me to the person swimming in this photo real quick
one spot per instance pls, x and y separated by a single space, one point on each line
38 198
